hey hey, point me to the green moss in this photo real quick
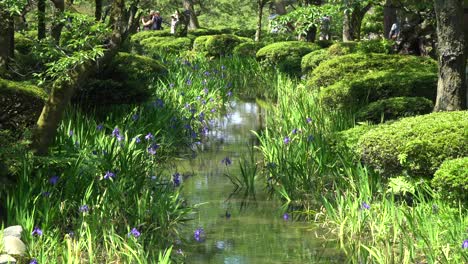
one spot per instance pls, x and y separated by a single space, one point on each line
286 56
416 145
357 91
451 180
313 59
247 49
199 45
394 108
127 80
20 105
154 46
23 44
142 35
342 48
354 66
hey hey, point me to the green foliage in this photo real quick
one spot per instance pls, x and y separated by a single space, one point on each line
348 66
199 44
375 46
126 80
146 34
313 59
416 145
394 108
23 44
342 48
155 46
209 31
451 180
355 91
222 45
285 56
348 140
248 49
20 104
372 23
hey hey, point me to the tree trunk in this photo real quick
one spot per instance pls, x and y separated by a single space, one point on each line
6 41
451 89
280 7
98 10
193 20
390 17
41 26
466 48
258 32
352 21
57 26
63 89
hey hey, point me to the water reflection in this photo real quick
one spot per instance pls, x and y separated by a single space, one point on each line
256 234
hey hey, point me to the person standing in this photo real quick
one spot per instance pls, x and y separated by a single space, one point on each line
148 24
174 21
157 21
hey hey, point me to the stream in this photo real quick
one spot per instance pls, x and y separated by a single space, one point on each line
235 230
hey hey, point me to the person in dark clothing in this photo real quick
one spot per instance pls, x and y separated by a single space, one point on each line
157 21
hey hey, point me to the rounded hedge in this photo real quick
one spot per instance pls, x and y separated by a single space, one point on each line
353 92
416 145
154 46
356 65
199 44
222 45
127 79
342 48
394 108
142 35
313 59
451 180
247 49
286 56
20 105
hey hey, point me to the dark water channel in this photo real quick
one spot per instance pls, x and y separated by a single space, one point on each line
257 233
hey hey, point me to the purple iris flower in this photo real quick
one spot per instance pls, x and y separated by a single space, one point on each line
84 208
206 91
229 93
226 161
33 261
120 138
108 175
286 216
99 127
54 179
149 136
465 244
286 140
137 139
365 206
189 82
176 179
135 117
36 231
134 232
152 149
199 234
70 133
294 131
115 132
308 120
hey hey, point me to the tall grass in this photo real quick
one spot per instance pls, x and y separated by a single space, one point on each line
303 168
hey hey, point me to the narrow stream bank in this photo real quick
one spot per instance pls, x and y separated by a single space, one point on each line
256 233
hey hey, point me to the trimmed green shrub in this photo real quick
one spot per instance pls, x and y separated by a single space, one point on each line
221 45
416 145
286 56
357 91
248 49
348 139
451 180
20 105
394 108
126 80
204 32
375 46
162 45
352 65
342 48
313 59
199 44
142 35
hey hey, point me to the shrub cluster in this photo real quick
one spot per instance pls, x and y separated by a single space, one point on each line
451 179
285 56
218 45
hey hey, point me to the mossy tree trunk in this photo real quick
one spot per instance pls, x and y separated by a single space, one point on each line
6 41
260 5
98 10
193 19
390 17
352 21
57 26
451 89
41 25
63 89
